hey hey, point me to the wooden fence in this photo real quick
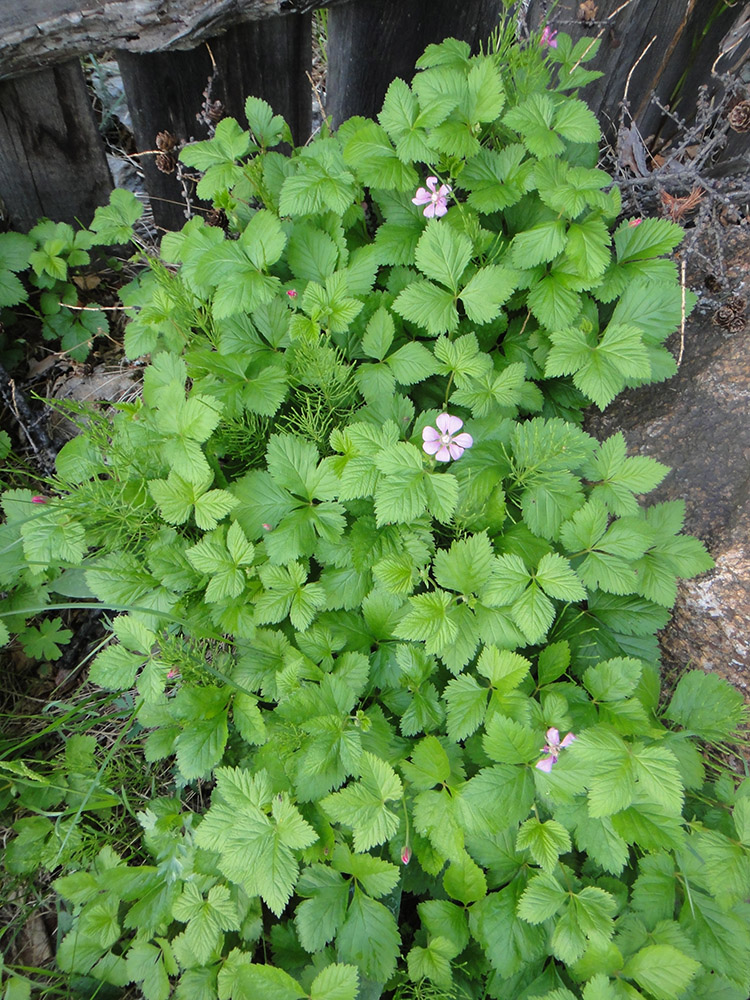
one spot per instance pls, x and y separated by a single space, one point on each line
52 159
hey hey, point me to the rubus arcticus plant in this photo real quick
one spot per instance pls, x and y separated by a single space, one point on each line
379 595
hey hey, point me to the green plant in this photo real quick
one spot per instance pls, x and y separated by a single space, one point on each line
50 256
362 647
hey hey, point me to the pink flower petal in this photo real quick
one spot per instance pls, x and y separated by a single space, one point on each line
432 447
431 183
449 424
443 454
545 764
430 434
444 190
439 210
570 738
422 197
431 211
553 737
456 450
463 440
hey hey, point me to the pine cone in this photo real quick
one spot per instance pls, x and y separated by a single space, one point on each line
215 110
165 141
737 304
739 117
165 162
738 324
724 316
217 217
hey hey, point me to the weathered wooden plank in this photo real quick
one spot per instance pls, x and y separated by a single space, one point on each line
663 44
52 160
372 41
164 90
45 32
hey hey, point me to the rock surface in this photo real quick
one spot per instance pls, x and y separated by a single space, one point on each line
699 424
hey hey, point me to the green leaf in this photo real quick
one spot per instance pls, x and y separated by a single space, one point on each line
113 223
541 899
613 680
533 119
263 240
431 962
429 306
576 122
488 289
553 302
599 369
466 566
557 578
661 970
706 705
145 964
319 917
370 152
266 127
429 765
43 643
369 938
539 244
650 238
244 980
362 805
545 842
411 363
256 851
443 254
335 982
467 703
464 880
509 742
229 143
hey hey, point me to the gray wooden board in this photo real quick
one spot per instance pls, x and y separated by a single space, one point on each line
38 33
266 59
52 161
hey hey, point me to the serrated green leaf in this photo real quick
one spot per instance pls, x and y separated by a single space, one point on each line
369 938
545 842
429 306
661 970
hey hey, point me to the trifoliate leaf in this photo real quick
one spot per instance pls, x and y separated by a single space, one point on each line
545 842
362 805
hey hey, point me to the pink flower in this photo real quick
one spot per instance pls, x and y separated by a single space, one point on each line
435 200
444 442
174 672
291 293
266 527
549 37
405 855
635 222
39 499
552 748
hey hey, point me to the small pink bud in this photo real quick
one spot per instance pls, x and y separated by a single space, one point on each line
635 222
405 855
39 499
174 672
292 293
267 527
